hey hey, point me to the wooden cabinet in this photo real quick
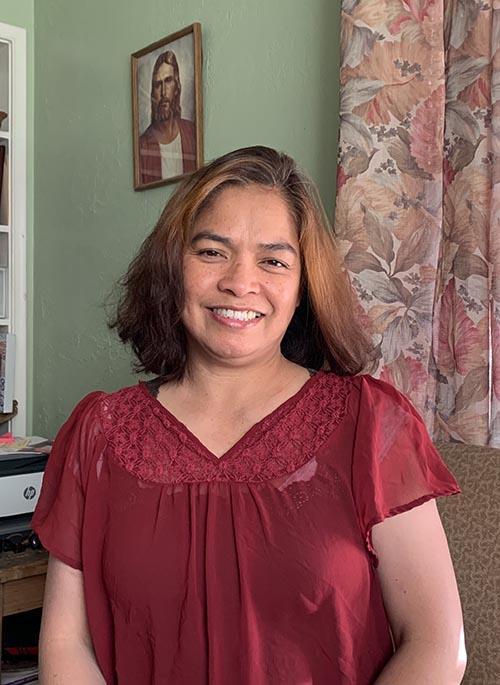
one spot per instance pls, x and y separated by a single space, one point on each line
22 582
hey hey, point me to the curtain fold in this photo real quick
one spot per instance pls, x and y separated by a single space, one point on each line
418 209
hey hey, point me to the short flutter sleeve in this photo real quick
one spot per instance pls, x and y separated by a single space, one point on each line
58 515
395 465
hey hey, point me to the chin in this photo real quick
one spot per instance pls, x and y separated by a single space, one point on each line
238 356
163 116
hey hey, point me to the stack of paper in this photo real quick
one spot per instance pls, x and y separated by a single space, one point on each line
19 675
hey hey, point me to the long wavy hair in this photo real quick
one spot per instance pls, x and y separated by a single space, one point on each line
323 333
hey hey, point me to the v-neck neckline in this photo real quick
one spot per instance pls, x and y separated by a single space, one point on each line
239 445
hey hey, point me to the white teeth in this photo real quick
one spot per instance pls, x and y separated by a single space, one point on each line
239 316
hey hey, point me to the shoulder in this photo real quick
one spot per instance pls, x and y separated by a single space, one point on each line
88 408
98 403
122 402
367 383
375 392
376 406
325 398
361 387
186 126
147 137
87 428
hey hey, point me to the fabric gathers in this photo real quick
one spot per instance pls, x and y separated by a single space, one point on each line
254 568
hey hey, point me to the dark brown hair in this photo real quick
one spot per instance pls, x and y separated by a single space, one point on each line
323 332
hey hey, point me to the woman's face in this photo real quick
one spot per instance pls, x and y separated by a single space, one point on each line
241 277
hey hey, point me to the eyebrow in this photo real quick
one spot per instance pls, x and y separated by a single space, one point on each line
271 247
206 235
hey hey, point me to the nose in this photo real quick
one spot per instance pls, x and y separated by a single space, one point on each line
240 278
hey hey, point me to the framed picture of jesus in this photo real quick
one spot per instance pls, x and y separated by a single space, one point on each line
167 108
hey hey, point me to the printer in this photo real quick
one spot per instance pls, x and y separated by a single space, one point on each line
21 475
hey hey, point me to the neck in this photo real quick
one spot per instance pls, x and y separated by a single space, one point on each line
235 385
165 131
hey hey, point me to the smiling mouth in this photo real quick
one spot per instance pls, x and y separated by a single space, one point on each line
236 315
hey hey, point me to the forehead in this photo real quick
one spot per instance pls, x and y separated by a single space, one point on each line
163 72
255 210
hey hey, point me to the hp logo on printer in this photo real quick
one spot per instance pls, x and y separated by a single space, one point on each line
29 492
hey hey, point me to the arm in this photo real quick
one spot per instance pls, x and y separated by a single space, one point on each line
421 599
66 652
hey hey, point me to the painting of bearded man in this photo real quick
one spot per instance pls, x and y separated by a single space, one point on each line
169 146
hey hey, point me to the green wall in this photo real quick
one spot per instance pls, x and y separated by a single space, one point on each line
22 13
18 13
270 77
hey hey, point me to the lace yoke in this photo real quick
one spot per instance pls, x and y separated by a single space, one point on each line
151 444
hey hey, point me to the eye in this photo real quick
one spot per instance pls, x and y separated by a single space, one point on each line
209 253
276 263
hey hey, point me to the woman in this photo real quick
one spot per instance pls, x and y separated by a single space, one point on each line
234 521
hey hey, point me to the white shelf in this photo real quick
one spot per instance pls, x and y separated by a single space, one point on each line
13 219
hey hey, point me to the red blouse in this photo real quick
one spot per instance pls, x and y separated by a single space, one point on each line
255 568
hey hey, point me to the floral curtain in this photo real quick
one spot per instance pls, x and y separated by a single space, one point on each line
418 201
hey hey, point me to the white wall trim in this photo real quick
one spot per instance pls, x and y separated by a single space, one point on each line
18 219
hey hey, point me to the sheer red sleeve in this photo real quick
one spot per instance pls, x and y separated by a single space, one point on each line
395 465
58 514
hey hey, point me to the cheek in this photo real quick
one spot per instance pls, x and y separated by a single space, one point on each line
190 291
290 294
197 280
